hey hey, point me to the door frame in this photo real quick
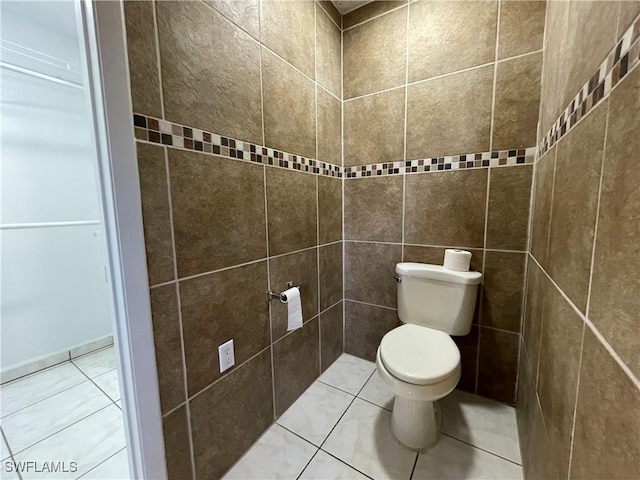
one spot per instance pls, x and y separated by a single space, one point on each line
103 40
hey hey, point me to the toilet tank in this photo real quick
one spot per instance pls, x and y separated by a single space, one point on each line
434 297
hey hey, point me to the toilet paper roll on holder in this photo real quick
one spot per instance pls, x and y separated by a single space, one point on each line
280 296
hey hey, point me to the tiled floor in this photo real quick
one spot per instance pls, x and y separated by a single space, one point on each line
67 413
340 429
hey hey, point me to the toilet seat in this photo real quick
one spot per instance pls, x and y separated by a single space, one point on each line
419 355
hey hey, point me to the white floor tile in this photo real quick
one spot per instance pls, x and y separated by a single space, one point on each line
481 422
452 459
115 468
108 382
87 442
316 412
363 439
325 467
348 373
36 422
8 472
376 391
96 363
29 390
277 454
4 449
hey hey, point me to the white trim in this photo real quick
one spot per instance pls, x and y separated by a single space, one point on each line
104 42
23 226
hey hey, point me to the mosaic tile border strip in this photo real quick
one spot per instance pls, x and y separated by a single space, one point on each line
450 162
620 60
163 132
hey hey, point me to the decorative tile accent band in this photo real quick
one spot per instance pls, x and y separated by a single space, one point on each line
450 162
160 131
620 60
163 132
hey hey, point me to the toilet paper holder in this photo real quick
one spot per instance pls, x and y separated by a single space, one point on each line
280 296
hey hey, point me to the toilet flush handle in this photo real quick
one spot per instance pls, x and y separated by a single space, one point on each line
398 279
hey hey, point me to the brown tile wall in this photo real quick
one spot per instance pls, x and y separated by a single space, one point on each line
579 388
484 211
221 232
427 79
440 78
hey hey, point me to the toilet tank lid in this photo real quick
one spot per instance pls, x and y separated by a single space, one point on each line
437 272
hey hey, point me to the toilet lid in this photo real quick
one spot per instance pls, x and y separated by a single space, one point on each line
419 355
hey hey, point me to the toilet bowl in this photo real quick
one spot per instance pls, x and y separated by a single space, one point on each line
420 365
418 360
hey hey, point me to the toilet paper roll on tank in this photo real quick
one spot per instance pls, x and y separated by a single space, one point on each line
457 260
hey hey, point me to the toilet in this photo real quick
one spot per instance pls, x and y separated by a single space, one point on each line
418 360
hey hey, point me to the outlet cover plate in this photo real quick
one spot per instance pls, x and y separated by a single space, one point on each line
226 356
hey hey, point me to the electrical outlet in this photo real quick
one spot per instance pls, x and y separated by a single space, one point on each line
226 355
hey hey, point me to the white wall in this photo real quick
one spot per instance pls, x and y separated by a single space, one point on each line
54 294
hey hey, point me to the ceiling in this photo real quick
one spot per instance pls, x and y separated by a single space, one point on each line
346 6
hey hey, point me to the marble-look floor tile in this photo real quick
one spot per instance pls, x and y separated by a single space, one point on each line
109 383
378 392
316 412
40 420
31 389
348 373
484 423
114 468
324 466
98 362
277 454
4 448
8 473
87 442
363 439
452 459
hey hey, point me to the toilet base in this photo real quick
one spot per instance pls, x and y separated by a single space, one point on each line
414 423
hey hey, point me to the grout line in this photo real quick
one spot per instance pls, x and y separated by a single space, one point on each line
310 460
179 308
156 34
416 82
346 409
94 383
348 465
342 202
495 77
406 120
480 448
496 329
10 457
270 310
595 228
330 17
370 304
415 462
197 275
62 429
385 90
402 5
102 462
553 191
542 80
317 184
594 330
235 368
484 264
262 45
575 405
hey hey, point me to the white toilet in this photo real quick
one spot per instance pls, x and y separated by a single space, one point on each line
418 360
